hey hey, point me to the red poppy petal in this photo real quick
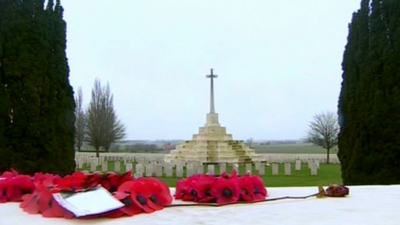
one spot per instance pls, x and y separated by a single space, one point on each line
68 215
45 201
131 210
120 195
114 214
206 199
26 196
57 209
48 213
223 201
32 208
3 199
28 200
147 209
127 186
154 206
259 197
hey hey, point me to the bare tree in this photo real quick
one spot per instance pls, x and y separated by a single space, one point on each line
323 131
80 121
94 119
114 129
102 126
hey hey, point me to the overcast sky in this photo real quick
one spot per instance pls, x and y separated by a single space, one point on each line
278 62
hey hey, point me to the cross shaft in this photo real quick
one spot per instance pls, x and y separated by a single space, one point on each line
212 76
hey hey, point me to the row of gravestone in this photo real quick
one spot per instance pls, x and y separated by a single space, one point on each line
145 160
94 161
277 158
159 170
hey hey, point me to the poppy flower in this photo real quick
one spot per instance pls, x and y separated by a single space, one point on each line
20 185
226 191
42 201
91 181
30 202
72 182
9 174
5 184
226 175
111 181
48 206
38 177
335 190
259 190
180 191
201 188
160 196
134 202
141 195
184 188
13 187
246 188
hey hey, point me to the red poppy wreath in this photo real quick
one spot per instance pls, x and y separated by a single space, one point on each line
47 194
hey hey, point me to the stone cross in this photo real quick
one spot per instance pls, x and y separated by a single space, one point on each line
212 76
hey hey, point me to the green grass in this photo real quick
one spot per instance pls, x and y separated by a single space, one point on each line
327 173
301 148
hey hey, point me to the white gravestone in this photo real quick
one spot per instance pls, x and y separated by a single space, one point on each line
275 169
128 167
222 168
211 169
314 169
298 165
117 166
104 166
249 168
288 169
179 170
261 169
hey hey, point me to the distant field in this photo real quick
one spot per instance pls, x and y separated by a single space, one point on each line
301 148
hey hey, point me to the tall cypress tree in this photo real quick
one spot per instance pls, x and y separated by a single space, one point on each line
5 153
38 110
64 96
369 114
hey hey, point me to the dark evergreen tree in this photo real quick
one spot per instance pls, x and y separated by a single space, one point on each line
369 144
60 96
38 110
5 151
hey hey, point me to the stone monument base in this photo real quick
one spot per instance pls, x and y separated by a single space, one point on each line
212 145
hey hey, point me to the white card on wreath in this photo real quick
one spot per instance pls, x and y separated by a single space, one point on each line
95 201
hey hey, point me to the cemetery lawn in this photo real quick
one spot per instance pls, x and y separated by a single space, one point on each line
327 174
